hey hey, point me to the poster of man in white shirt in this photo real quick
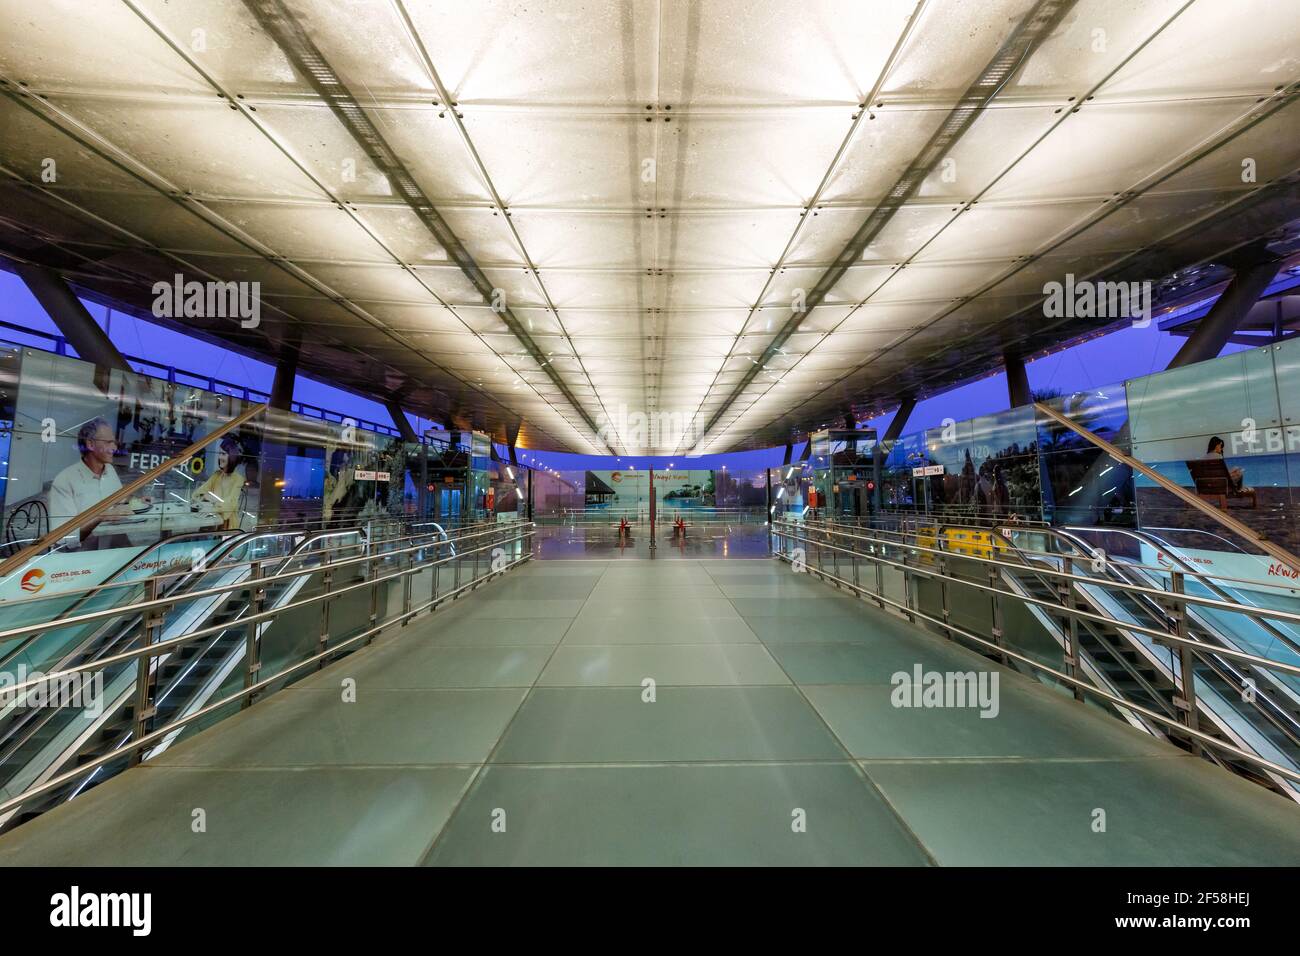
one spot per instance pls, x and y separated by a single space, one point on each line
87 481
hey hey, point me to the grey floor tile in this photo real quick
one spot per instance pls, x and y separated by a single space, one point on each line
431 666
1177 811
611 591
563 569
675 816
667 664
1028 723
545 588
873 660
822 630
446 631
677 608
485 608
377 816
757 566
592 629
314 727
783 588
830 605
595 725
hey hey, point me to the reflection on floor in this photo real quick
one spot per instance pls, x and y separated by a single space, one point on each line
705 540
518 727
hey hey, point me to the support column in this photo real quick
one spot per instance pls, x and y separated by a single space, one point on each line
789 450
899 421
1017 380
1212 332
65 309
896 426
512 439
401 422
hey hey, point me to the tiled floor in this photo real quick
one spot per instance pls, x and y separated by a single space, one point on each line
662 712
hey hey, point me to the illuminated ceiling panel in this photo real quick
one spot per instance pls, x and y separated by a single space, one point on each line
543 211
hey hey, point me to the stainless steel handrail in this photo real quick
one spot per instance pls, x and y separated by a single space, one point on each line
234 539
207 592
251 619
799 533
511 533
1164 595
1057 607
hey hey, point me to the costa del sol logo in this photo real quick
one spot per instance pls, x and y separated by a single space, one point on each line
33 580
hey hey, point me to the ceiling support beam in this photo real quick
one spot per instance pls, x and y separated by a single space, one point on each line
899 421
1036 26
61 304
401 422
896 426
512 441
1018 392
286 375
1214 331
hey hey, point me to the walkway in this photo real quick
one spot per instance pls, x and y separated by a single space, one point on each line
520 708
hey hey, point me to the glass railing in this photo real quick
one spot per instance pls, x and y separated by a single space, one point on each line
1210 663
192 646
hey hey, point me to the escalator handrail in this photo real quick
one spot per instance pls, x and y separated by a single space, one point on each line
1208 583
1119 658
1264 705
83 595
127 629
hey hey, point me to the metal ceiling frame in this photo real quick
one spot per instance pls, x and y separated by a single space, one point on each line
289 264
1033 28
308 61
426 61
157 184
1278 100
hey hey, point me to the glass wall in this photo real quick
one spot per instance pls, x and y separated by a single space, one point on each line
1226 430
73 434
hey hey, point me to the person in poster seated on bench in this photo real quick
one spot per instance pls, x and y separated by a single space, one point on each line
225 487
1215 450
88 481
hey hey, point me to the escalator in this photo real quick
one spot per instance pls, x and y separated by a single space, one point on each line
37 744
1253 708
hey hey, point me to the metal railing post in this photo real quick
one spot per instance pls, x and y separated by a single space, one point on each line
455 563
144 710
409 561
1065 594
252 651
327 585
907 588
995 609
433 584
1186 704
880 579
373 567
944 596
